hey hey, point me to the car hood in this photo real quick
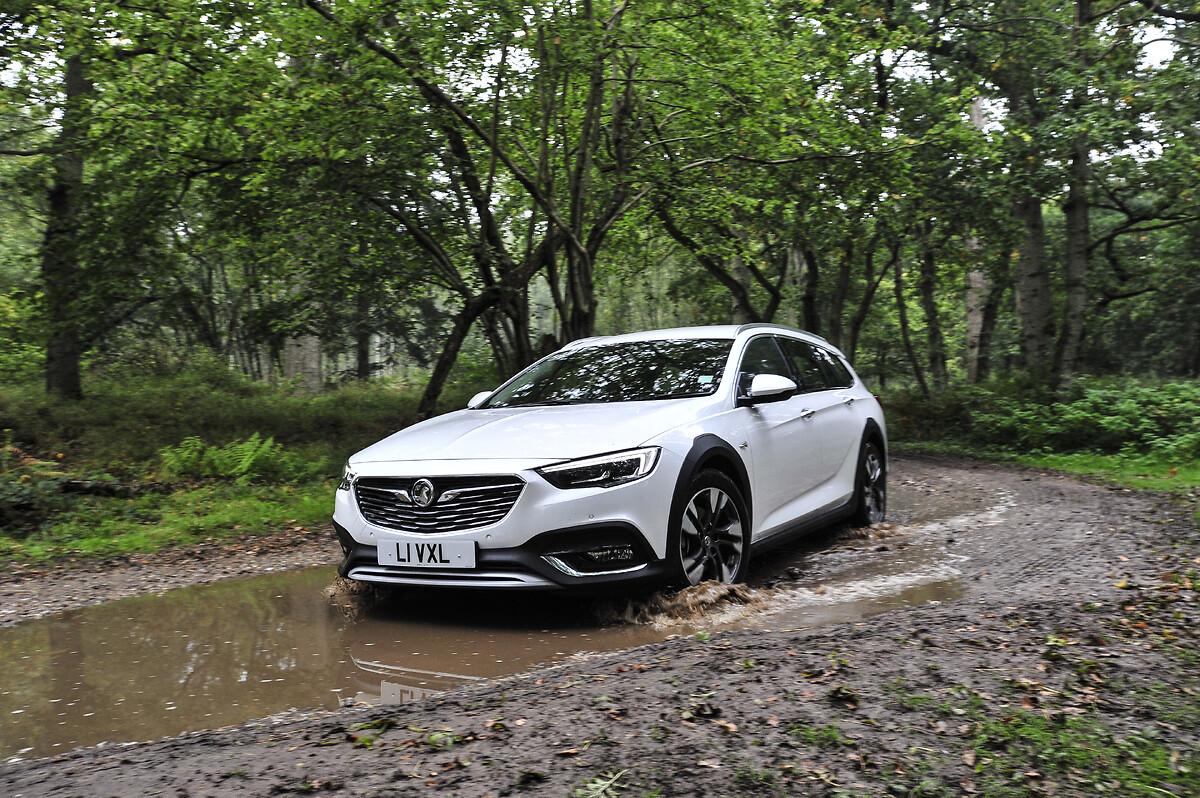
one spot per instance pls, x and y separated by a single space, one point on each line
536 433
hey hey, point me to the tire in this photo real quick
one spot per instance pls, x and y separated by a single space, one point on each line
870 486
710 535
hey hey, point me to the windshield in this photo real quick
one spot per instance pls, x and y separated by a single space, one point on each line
631 371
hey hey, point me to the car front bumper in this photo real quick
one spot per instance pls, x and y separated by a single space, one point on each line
553 560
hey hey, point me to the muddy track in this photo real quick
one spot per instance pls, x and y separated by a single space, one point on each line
1070 608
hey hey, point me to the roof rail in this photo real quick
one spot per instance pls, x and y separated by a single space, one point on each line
581 341
768 326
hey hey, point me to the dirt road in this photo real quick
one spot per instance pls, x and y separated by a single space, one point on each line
1076 622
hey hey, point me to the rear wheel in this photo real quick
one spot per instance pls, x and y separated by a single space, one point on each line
710 537
871 486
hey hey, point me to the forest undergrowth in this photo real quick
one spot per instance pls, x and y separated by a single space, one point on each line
1144 435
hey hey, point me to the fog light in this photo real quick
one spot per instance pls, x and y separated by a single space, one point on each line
611 554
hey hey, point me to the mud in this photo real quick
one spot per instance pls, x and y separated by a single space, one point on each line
208 655
1035 608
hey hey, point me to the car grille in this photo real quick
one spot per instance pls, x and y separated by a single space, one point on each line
462 502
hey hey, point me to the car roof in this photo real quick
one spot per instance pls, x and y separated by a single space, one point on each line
718 331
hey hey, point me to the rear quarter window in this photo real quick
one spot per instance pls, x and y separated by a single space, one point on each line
837 374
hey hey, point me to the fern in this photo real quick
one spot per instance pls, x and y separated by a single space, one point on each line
256 459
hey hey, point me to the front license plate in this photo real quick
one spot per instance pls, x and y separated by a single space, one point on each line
422 554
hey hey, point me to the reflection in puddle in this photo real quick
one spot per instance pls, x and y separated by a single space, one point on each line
228 652
217 654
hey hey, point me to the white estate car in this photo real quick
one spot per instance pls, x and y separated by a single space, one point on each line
653 458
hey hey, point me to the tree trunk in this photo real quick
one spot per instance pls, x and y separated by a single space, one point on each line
837 299
472 310
739 313
864 307
1078 236
362 336
60 247
1033 289
927 289
812 283
1077 212
301 360
991 311
905 335
977 293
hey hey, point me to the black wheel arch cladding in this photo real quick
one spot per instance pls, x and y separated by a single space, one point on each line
710 451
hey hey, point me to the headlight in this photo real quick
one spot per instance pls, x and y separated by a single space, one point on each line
348 477
604 471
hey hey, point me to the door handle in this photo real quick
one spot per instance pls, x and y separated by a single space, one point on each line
807 414
849 400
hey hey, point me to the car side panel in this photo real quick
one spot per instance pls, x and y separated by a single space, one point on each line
786 462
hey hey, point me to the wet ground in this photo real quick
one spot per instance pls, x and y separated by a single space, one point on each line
211 655
1021 601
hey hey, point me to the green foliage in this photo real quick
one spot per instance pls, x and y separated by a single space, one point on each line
30 490
129 416
264 454
21 357
1096 417
606 785
255 459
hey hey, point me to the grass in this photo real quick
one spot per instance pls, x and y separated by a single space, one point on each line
1148 472
102 526
818 736
1145 472
1019 754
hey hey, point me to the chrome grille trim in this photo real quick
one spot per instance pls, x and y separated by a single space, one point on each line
462 502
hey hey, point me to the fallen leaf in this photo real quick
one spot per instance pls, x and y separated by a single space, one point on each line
969 758
704 763
726 725
772 721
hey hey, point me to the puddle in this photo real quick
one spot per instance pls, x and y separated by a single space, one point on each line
208 656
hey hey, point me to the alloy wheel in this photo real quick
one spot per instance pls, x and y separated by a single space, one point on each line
711 539
874 486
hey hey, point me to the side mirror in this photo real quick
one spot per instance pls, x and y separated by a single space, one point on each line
477 399
769 388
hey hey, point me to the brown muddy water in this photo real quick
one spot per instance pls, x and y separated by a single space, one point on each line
208 656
